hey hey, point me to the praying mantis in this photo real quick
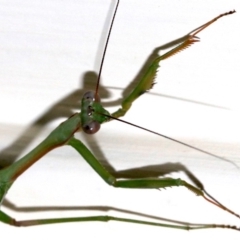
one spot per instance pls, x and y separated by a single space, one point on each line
161 69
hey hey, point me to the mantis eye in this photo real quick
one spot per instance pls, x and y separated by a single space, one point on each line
90 96
91 128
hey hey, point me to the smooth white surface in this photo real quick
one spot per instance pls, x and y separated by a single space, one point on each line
47 47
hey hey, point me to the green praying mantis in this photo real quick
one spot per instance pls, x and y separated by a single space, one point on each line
72 125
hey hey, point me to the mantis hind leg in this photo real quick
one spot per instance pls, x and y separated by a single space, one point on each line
104 218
